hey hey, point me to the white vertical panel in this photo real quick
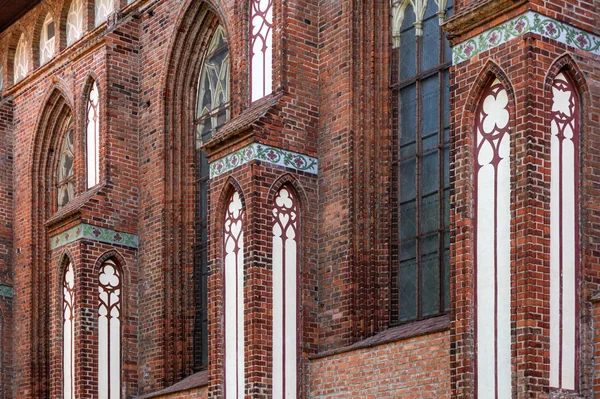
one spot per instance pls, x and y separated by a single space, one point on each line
563 230
278 304
285 307
93 136
261 32
493 245
234 299
109 331
554 261
69 333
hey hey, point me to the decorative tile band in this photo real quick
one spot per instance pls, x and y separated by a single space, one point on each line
6 291
94 233
525 23
265 153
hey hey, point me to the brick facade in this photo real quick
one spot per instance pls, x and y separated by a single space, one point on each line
331 103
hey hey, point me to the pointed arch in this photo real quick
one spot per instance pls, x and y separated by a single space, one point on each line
234 226
110 321
493 123
93 116
68 284
73 21
261 48
565 122
286 244
44 35
187 248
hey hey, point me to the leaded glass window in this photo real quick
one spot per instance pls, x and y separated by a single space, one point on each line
47 40
93 137
421 94
1 78
103 9
64 175
21 59
212 110
75 22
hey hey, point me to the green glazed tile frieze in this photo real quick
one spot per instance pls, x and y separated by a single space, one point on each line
528 22
264 153
94 233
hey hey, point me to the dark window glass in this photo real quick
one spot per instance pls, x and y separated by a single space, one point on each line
212 110
420 83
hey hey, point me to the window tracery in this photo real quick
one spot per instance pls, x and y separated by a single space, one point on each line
212 110
103 9
65 176
21 59
261 46
93 137
75 22
47 40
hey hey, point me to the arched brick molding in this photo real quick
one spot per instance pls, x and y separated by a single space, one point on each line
18 31
195 25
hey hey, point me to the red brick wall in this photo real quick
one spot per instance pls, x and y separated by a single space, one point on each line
413 368
525 65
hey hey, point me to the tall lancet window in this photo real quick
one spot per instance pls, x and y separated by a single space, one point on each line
285 294
93 137
420 86
65 177
261 47
75 22
47 40
233 245
103 9
21 59
69 332
492 243
212 110
564 234
109 331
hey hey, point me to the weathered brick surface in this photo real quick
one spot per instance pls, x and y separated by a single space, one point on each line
332 100
414 368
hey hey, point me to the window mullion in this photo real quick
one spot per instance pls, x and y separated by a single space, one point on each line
418 174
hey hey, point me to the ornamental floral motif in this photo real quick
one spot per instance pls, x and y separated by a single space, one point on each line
94 233
261 152
527 22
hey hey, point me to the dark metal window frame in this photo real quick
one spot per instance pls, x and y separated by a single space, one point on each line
396 86
200 248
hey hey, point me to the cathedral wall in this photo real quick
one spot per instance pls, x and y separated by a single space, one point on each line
411 368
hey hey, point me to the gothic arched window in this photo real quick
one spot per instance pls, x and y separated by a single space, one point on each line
65 178
421 62
69 332
93 136
75 22
47 40
212 110
261 48
21 59
103 9
110 296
